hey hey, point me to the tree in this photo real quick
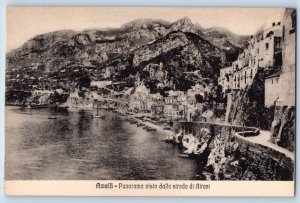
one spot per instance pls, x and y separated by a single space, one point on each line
199 98
85 81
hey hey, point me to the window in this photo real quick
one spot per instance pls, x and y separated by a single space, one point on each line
283 32
277 44
293 16
272 81
267 46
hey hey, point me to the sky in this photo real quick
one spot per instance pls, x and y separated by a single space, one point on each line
23 23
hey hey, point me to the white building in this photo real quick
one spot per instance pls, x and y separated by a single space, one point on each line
101 84
225 79
42 92
282 92
272 89
264 51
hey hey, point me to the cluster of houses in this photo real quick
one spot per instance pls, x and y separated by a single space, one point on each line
272 49
178 105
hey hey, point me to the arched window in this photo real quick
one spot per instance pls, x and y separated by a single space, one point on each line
270 34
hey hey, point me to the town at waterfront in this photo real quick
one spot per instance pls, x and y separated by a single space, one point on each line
229 108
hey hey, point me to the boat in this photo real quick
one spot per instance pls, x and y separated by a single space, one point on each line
133 121
97 115
140 124
170 139
26 112
145 127
52 115
183 155
151 129
30 107
167 128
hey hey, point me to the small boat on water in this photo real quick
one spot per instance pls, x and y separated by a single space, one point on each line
183 155
167 128
151 129
52 115
97 115
140 124
133 122
170 139
26 112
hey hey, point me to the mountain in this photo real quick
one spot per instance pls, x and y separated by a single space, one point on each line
180 46
226 40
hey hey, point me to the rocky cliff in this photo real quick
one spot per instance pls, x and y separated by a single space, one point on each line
248 107
283 128
180 46
229 156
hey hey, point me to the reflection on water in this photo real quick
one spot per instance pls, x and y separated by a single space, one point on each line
76 147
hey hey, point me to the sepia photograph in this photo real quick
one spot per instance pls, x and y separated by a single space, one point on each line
140 94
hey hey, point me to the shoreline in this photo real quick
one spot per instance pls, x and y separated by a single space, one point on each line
170 133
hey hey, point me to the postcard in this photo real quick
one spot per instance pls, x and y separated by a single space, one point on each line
150 101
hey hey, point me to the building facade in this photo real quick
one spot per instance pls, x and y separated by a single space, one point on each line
282 93
264 51
225 79
272 89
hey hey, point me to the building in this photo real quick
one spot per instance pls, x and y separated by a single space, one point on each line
101 84
272 89
280 88
172 111
225 79
42 92
138 100
156 71
264 51
157 110
196 89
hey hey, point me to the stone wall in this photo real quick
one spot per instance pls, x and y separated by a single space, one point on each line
283 129
232 157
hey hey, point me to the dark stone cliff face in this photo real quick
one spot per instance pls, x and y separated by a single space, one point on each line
248 108
283 129
231 157
16 98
